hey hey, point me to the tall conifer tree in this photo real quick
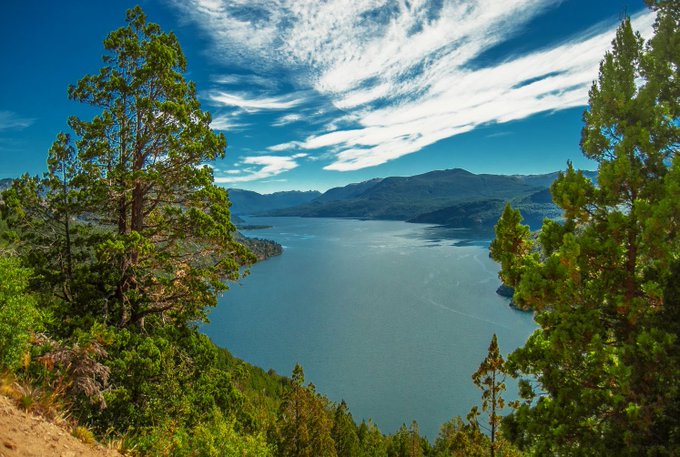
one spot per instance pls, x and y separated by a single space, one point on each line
304 426
490 378
138 170
603 367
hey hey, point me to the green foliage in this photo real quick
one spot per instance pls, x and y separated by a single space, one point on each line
459 439
133 229
490 378
214 437
407 442
371 440
305 422
172 375
344 432
466 439
601 373
19 317
129 242
511 245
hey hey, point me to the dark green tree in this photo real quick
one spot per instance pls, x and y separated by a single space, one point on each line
407 442
372 441
48 231
603 366
135 172
416 444
344 432
511 245
130 241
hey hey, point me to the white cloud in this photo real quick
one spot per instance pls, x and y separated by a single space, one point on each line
228 122
292 145
287 119
250 80
12 121
402 73
458 99
252 104
257 168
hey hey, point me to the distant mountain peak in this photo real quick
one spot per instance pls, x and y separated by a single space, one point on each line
248 202
454 197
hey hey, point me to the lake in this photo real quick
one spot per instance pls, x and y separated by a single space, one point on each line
392 317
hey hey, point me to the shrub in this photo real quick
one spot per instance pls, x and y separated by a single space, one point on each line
19 317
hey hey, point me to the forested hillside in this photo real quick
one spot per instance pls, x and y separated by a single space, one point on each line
455 198
246 202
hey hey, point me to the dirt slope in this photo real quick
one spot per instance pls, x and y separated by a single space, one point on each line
25 435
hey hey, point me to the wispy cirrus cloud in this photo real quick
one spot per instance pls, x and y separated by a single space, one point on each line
402 75
283 147
255 168
10 120
287 119
236 106
228 122
460 99
240 80
252 104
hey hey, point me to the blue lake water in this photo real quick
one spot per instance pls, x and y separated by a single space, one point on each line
391 317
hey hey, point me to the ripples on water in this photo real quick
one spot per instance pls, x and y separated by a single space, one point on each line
392 317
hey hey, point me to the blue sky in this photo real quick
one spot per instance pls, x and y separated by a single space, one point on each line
313 94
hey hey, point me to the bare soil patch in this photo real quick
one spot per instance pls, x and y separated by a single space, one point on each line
24 434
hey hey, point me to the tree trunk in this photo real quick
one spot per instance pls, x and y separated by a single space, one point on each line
493 414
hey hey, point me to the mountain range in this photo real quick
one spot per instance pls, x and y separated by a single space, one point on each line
5 183
247 202
456 198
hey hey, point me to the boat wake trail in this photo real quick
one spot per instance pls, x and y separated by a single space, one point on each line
471 316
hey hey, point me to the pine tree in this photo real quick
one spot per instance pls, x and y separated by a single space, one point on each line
460 439
490 378
415 442
304 426
511 244
602 368
344 432
136 173
373 443
46 225
406 442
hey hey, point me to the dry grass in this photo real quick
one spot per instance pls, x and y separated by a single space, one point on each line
83 434
115 444
34 399
50 405
42 402
7 387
